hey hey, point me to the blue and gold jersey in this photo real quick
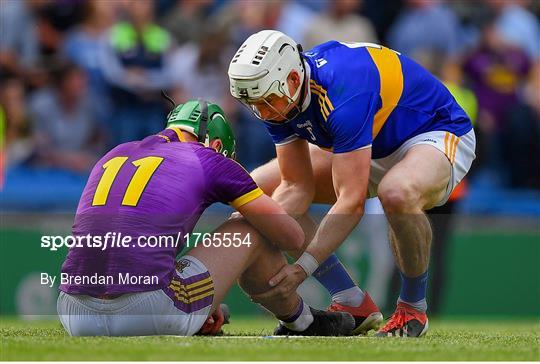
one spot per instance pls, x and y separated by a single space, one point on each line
363 95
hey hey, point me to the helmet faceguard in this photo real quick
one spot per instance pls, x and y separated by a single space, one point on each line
261 67
207 122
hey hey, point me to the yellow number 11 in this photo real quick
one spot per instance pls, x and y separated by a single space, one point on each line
145 169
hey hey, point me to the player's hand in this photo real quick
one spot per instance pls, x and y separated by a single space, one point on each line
283 284
212 325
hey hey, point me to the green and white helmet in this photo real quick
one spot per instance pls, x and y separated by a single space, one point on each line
207 122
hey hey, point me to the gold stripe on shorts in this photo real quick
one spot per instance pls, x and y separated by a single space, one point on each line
450 146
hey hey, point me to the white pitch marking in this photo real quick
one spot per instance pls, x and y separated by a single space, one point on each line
284 337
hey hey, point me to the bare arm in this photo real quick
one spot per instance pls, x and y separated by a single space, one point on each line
350 173
297 188
273 222
350 176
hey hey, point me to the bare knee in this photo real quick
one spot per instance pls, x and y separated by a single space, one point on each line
267 176
269 261
398 197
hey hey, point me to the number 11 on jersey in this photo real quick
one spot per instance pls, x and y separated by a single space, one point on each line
146 167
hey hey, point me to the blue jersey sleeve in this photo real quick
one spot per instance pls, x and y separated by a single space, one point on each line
351 124
281 133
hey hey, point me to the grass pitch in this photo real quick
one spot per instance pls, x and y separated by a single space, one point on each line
245 340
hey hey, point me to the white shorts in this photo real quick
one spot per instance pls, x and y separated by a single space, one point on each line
458 150
175 310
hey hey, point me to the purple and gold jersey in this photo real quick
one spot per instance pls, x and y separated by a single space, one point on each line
159 186
365 95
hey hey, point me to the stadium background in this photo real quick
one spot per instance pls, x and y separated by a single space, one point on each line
79 77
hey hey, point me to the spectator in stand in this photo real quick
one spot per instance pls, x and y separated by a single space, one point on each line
17 145
243 18
518 26
522 136
136 65
291 17
200 70
19 49
185 21
425 25
340 22
54 19
83 46
496 70
382 15
64 127
2 146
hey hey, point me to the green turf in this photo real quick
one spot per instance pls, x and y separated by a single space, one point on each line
447 340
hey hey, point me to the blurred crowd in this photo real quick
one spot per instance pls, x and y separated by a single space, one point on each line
80 76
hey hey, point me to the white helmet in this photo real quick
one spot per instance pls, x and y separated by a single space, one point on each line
261 66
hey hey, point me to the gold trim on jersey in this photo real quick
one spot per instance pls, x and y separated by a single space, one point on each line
248 197
324 101
178 133
391 78
164 137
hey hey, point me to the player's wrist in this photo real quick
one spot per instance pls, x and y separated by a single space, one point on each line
308 263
